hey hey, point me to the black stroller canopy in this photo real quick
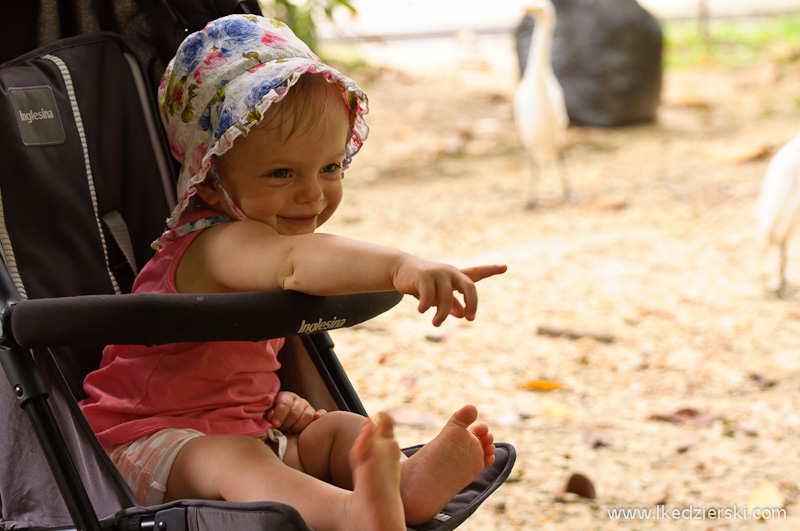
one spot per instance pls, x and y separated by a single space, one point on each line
154 28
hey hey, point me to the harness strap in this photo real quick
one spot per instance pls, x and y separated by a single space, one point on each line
119 231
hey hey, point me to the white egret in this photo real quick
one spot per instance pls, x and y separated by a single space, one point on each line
777 209
539 110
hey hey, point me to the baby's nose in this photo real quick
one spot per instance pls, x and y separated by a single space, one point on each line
309 189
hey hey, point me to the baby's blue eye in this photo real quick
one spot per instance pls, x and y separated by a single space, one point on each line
330 168
283 173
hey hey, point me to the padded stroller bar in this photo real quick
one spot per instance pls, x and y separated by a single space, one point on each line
152 319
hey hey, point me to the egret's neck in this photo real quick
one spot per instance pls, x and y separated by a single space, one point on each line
539 55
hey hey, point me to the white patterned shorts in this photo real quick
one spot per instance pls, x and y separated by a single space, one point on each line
145 462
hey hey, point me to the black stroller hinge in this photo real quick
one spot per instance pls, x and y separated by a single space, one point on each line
23 376
9 296
6 335
170 519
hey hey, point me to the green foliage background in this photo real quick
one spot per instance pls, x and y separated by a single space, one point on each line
733 43
300 15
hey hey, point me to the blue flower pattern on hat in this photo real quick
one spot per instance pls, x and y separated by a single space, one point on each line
190 51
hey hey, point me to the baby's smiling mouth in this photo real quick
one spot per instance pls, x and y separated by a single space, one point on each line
301 221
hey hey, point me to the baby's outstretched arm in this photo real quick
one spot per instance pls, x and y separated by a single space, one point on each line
250 256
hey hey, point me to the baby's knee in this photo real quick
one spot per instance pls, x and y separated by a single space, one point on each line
324 446
341 421
331 429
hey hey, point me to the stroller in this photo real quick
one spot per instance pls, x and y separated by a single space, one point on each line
86 182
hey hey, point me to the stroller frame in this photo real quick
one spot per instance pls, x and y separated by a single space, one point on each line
36 326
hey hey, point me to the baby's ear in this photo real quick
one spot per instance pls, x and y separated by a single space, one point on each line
208 191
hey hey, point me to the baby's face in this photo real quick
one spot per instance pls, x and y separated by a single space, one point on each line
293 185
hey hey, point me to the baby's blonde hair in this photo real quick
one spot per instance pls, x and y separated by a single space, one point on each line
305 106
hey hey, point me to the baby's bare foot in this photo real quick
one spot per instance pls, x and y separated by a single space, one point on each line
375 502
443 467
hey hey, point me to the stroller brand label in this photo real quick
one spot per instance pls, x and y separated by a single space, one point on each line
310 328
30 116
37 116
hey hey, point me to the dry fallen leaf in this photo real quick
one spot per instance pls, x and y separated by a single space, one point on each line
595 439
690 416
542 385
580 485
568 333
762 381
645 311
765 496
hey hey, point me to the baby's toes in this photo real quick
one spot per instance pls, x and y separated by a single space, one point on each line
488 449
486 438
488 459
479 430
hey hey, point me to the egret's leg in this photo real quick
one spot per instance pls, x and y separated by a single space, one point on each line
784 291
562 168
533 186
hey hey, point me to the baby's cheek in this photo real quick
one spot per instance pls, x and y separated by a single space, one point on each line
326 214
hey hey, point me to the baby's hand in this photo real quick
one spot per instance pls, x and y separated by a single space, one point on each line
291 413
434 284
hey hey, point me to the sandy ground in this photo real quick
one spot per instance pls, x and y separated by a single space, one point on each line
654 264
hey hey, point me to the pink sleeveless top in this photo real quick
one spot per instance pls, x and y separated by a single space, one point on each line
216 388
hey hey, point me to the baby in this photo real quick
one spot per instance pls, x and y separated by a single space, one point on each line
264 131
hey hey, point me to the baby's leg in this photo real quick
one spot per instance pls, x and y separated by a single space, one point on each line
440 469
239 468
429 479
375 462
323 448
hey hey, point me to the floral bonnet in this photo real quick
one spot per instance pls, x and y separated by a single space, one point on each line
222 80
